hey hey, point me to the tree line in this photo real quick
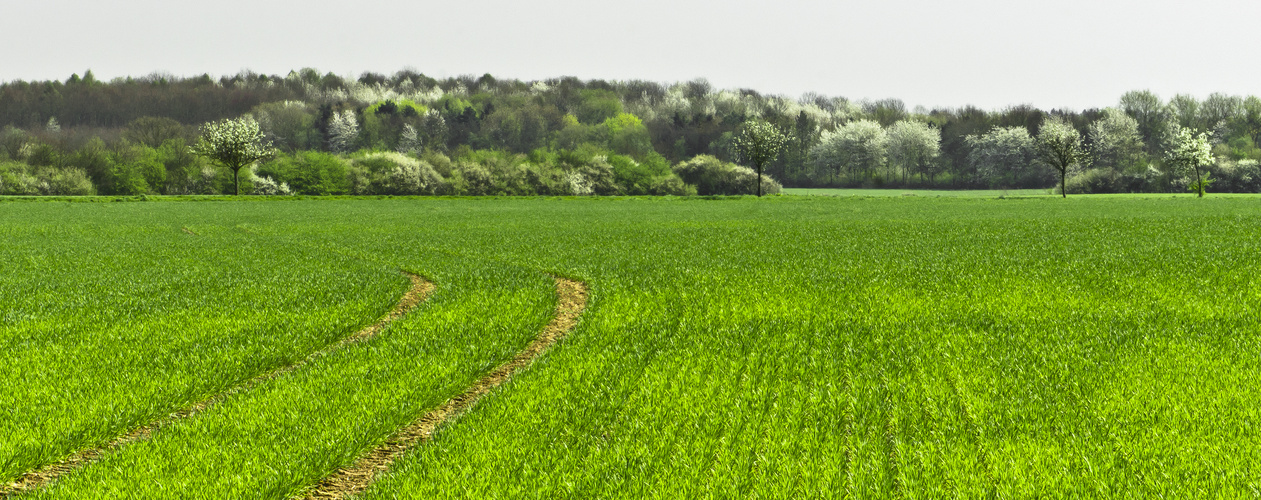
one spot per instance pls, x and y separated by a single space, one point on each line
383 134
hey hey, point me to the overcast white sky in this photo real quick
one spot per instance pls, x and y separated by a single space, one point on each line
991 53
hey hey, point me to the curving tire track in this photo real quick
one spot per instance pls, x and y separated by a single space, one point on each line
420 290
346 482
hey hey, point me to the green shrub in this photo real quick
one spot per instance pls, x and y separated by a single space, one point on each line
95 160
16 179
440 162
651 176
506 171
671 185
712 176
475 179
547 180
1099 180
396 173
127 179
182 166
1242 176
65 182
309 172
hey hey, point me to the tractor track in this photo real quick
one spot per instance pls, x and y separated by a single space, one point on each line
420 290
353 480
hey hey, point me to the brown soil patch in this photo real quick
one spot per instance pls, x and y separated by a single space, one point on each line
419 291
189 231
571 301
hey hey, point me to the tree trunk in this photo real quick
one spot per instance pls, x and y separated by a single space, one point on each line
1199 184
758 180
236 185
1064 183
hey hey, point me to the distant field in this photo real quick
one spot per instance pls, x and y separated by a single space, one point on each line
785 347
986 193
982 193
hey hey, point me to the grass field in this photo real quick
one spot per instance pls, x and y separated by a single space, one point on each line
986 193
961 193
791 346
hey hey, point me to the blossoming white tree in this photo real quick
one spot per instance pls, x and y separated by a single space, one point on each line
1191 152
913 146
343 129
759 143
1001 155
409 140
1059 145
860 146
1115 140
234 143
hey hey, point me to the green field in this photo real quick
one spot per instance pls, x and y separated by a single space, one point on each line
792 346
962 193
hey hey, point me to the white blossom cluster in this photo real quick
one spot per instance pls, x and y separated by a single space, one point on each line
1115 140
235 143
1189 150
731 103
266 186
857 146
409 176
367 94
1003 149
914 146
343 130
579 184
409 140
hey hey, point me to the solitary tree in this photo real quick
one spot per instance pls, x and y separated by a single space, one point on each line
1191 152
234 143
759 143
1059 145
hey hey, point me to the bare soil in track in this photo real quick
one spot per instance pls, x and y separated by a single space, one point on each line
420 290
571 301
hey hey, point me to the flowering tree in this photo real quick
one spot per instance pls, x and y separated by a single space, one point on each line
859 146
343 129
913 146
234 143
1115 140
1059 146
759 143
1001 155
1191 152
409 140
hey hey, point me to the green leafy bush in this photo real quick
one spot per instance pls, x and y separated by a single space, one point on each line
651 176
15 179
399 174
310 173
712 176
